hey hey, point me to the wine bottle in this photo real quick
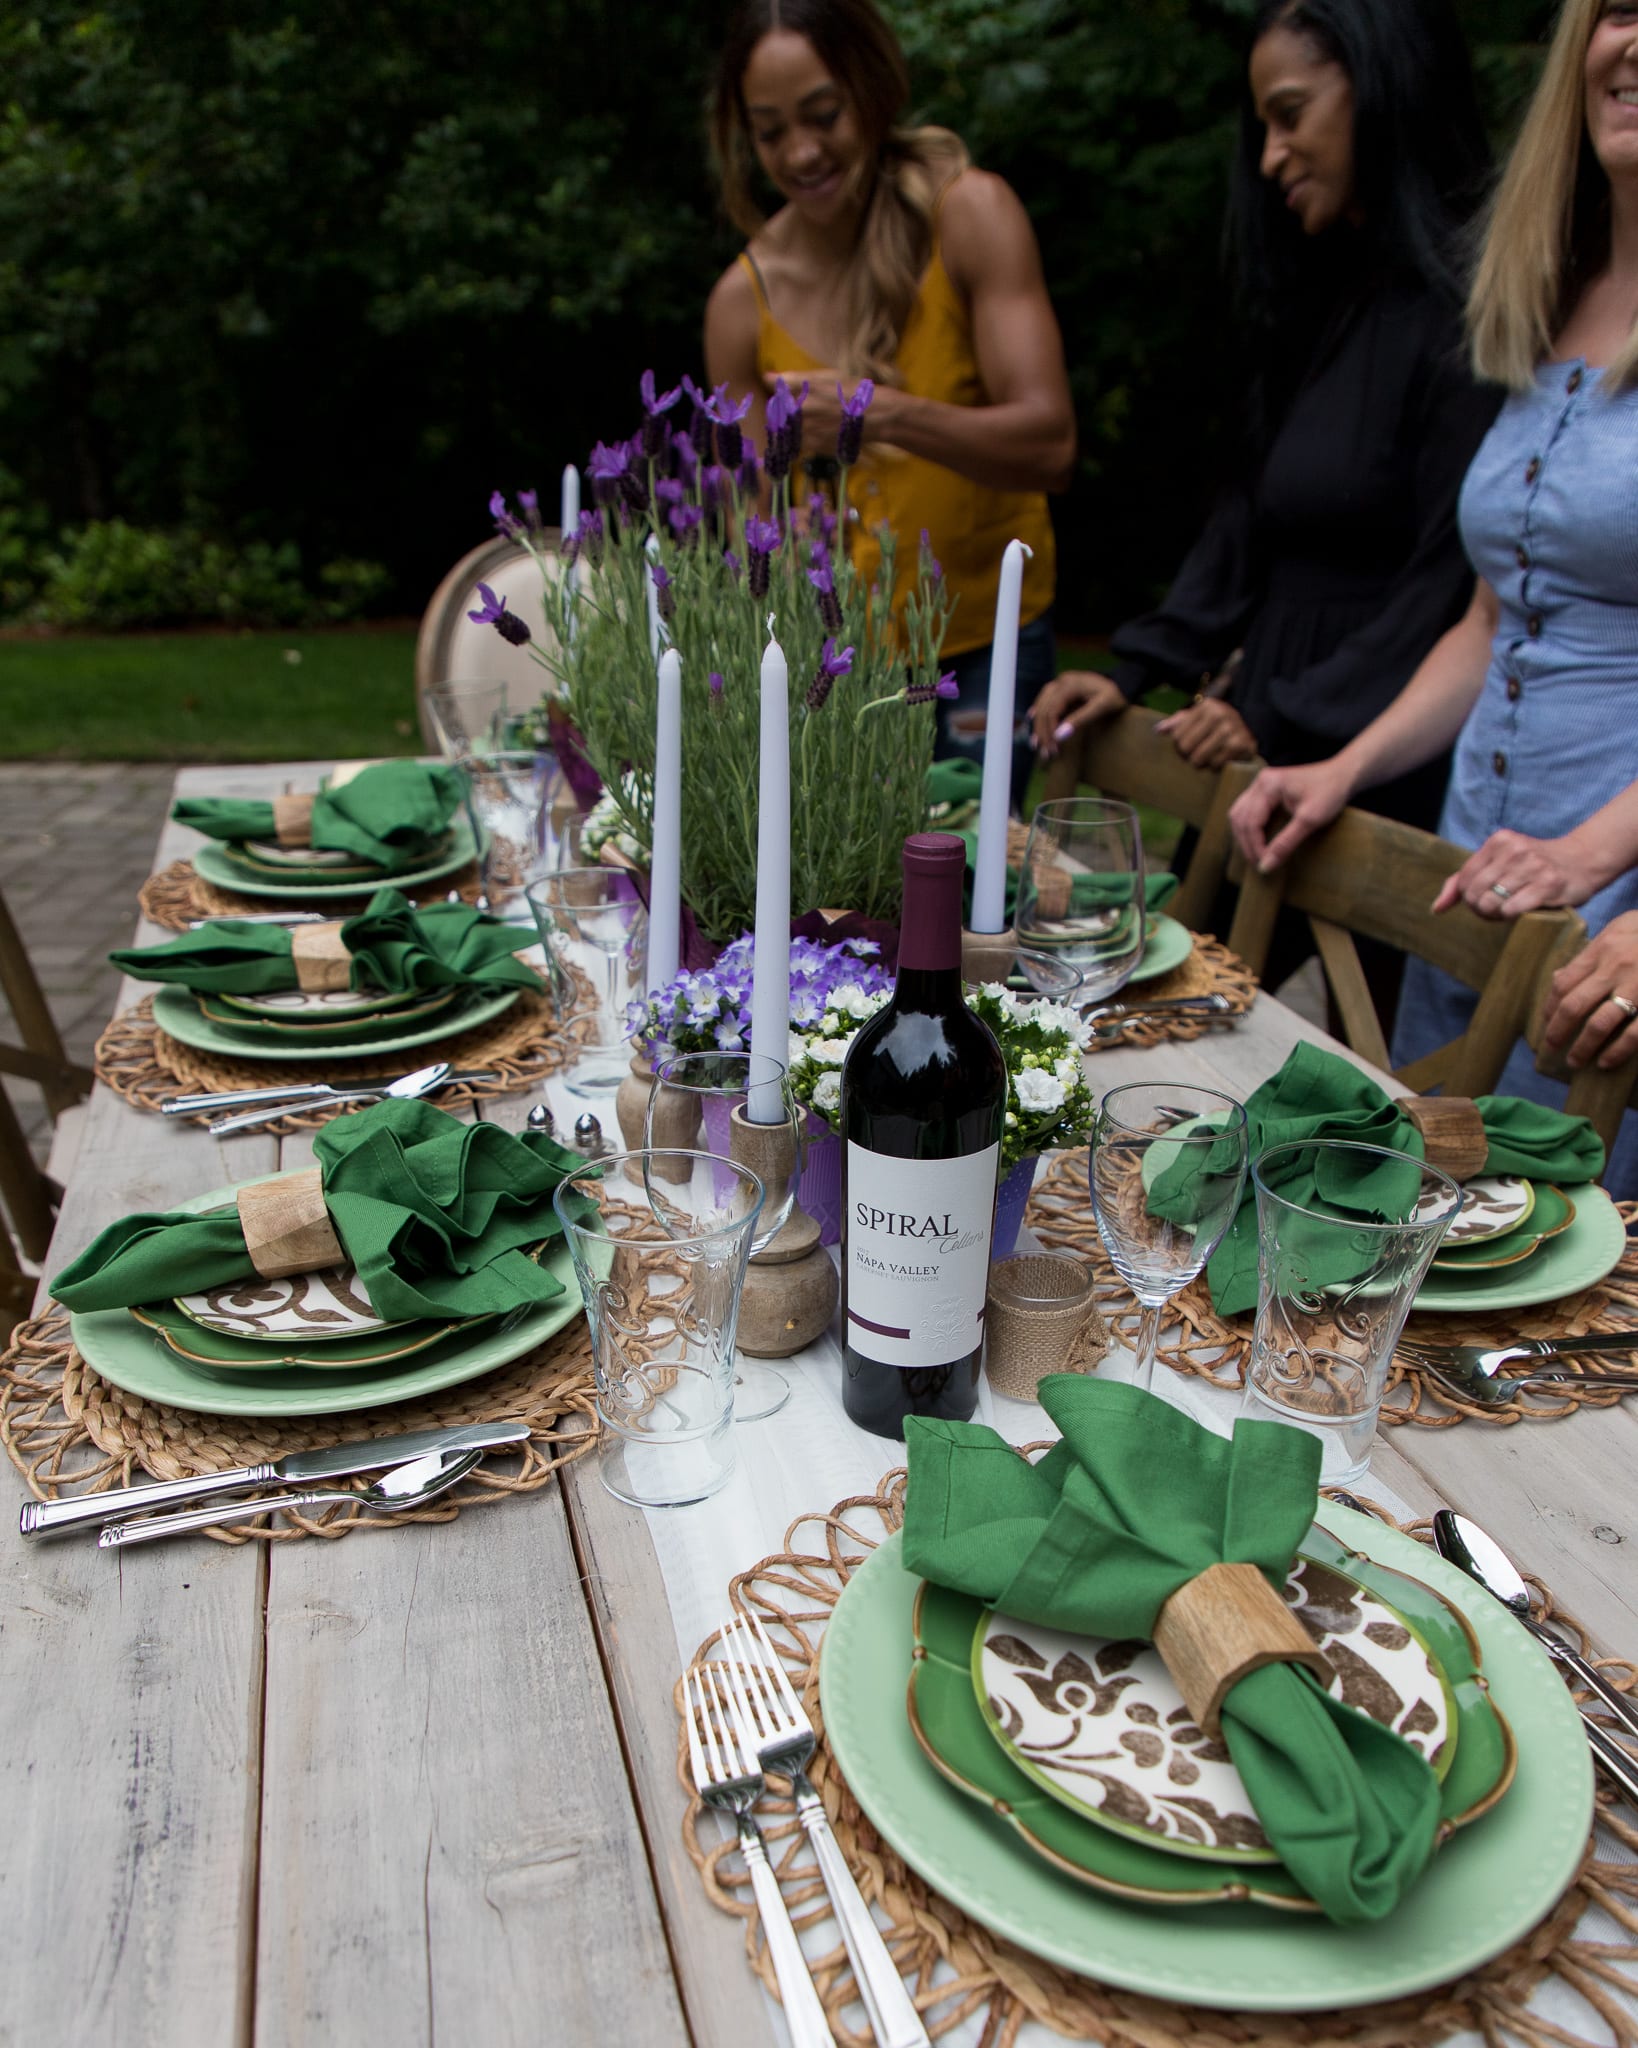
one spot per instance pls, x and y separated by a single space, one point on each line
924 1092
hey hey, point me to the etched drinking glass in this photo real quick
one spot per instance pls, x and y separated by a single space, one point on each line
1168 1168
1335 1282
660 1274
695 1091
1080 891
593 924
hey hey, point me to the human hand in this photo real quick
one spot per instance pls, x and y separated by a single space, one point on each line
1592 1004
1209 733
1307 798
1078 697
1511 874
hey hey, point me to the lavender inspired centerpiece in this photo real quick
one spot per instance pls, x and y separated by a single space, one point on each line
693 543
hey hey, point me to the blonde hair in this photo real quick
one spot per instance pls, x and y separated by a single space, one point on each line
898 182
1548 227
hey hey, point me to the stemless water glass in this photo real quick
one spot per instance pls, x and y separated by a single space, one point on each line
661 1278
1168 1169
1334 1285
1080 890
696 1091
592 920
468 712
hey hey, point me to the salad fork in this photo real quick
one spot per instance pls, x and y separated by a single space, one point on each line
726 1777
1479 1373
784 1740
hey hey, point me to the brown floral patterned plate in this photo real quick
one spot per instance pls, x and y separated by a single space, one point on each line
1102 1727
1492 1205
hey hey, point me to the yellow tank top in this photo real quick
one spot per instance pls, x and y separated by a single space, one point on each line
967 523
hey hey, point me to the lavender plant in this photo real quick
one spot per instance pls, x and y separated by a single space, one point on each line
687 515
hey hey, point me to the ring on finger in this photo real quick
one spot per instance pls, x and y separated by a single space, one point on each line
1624 1004
1500 889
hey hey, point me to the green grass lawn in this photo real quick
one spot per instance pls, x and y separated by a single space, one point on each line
276 696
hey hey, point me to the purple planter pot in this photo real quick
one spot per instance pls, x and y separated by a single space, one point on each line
820 1190
1011 1200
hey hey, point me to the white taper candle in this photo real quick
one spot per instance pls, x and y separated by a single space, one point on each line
665 875
771 974
995 796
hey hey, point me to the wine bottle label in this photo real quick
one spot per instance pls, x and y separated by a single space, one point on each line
918 1254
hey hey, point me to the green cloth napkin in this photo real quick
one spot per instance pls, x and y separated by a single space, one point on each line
389 813
1317 1095
395 947
957 781
1090 892
431 1211
1135 1501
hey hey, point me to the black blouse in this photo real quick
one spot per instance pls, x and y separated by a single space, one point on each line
1340 564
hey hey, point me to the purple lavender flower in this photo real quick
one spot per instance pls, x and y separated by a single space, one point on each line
929 564
713 487
732 562
762 539
586 542
684 521
823 579
504 522
821 520
714 682
670 491
685 454
494 613
750 471
529 504
654 410
722 411
850 435
946 689
613 478
831 665
784 429
666 596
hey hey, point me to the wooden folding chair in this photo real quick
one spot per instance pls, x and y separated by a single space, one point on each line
451 648
29 1195
1604 1098
1123 757
1376 878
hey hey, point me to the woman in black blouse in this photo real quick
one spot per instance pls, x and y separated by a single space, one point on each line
1330 567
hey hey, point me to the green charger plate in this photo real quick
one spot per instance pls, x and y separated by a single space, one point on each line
1591 1247
1486 1888
178 1012
951 1727
416 1007
210 862
1167 946
1550 1213
197 1345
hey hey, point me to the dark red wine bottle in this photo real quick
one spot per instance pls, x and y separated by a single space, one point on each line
924 1092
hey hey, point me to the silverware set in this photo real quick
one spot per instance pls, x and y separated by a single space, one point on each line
1110 1020
265 1105
416 1468
745 1720
1483 1374
1465 1545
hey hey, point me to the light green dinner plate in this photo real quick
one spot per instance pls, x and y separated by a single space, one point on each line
1585 1252
137 1359
1490 1884
416 1008
1168 945
198 1345
210 862
178 1012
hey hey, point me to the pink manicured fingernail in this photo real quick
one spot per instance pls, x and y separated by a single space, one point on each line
1064 730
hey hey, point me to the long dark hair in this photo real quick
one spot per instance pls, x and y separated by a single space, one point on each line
899 183
1421 161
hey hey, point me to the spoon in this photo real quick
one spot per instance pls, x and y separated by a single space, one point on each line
407 1088
400 1487
1465 1545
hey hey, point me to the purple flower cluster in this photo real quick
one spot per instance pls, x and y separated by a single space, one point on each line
655 407
614 478
665 602
784 429
720 409
762 539
929 564
586 542
946 688
831 665
823 579
493 612
711 1011
850 435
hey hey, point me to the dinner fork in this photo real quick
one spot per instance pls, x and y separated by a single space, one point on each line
1478 1373
784 1741
726 1777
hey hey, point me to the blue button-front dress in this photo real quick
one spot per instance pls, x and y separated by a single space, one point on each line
1549 516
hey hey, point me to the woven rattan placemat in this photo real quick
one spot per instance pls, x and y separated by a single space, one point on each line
1210 969
1194 1339
985 1978
520 1048
176 895
71 1432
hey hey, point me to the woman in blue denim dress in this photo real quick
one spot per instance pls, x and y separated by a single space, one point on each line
1538 684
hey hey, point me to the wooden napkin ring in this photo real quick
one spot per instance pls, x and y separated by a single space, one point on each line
1452 1133
320 956
293 820
1222 1626
287 1227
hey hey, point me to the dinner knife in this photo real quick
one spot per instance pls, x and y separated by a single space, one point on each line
1620 1764
200 924
293 1093
60 1517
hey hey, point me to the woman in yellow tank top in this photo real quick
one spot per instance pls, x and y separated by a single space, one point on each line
892 259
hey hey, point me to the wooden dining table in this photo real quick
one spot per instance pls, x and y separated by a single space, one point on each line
420 1785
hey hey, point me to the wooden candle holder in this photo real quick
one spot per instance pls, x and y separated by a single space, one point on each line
1220 1627
987 956
791 1288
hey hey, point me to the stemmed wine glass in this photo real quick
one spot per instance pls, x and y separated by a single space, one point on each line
1168 1166
707 1088
1080 891
593 920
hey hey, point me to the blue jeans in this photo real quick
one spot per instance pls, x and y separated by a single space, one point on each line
1037 665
